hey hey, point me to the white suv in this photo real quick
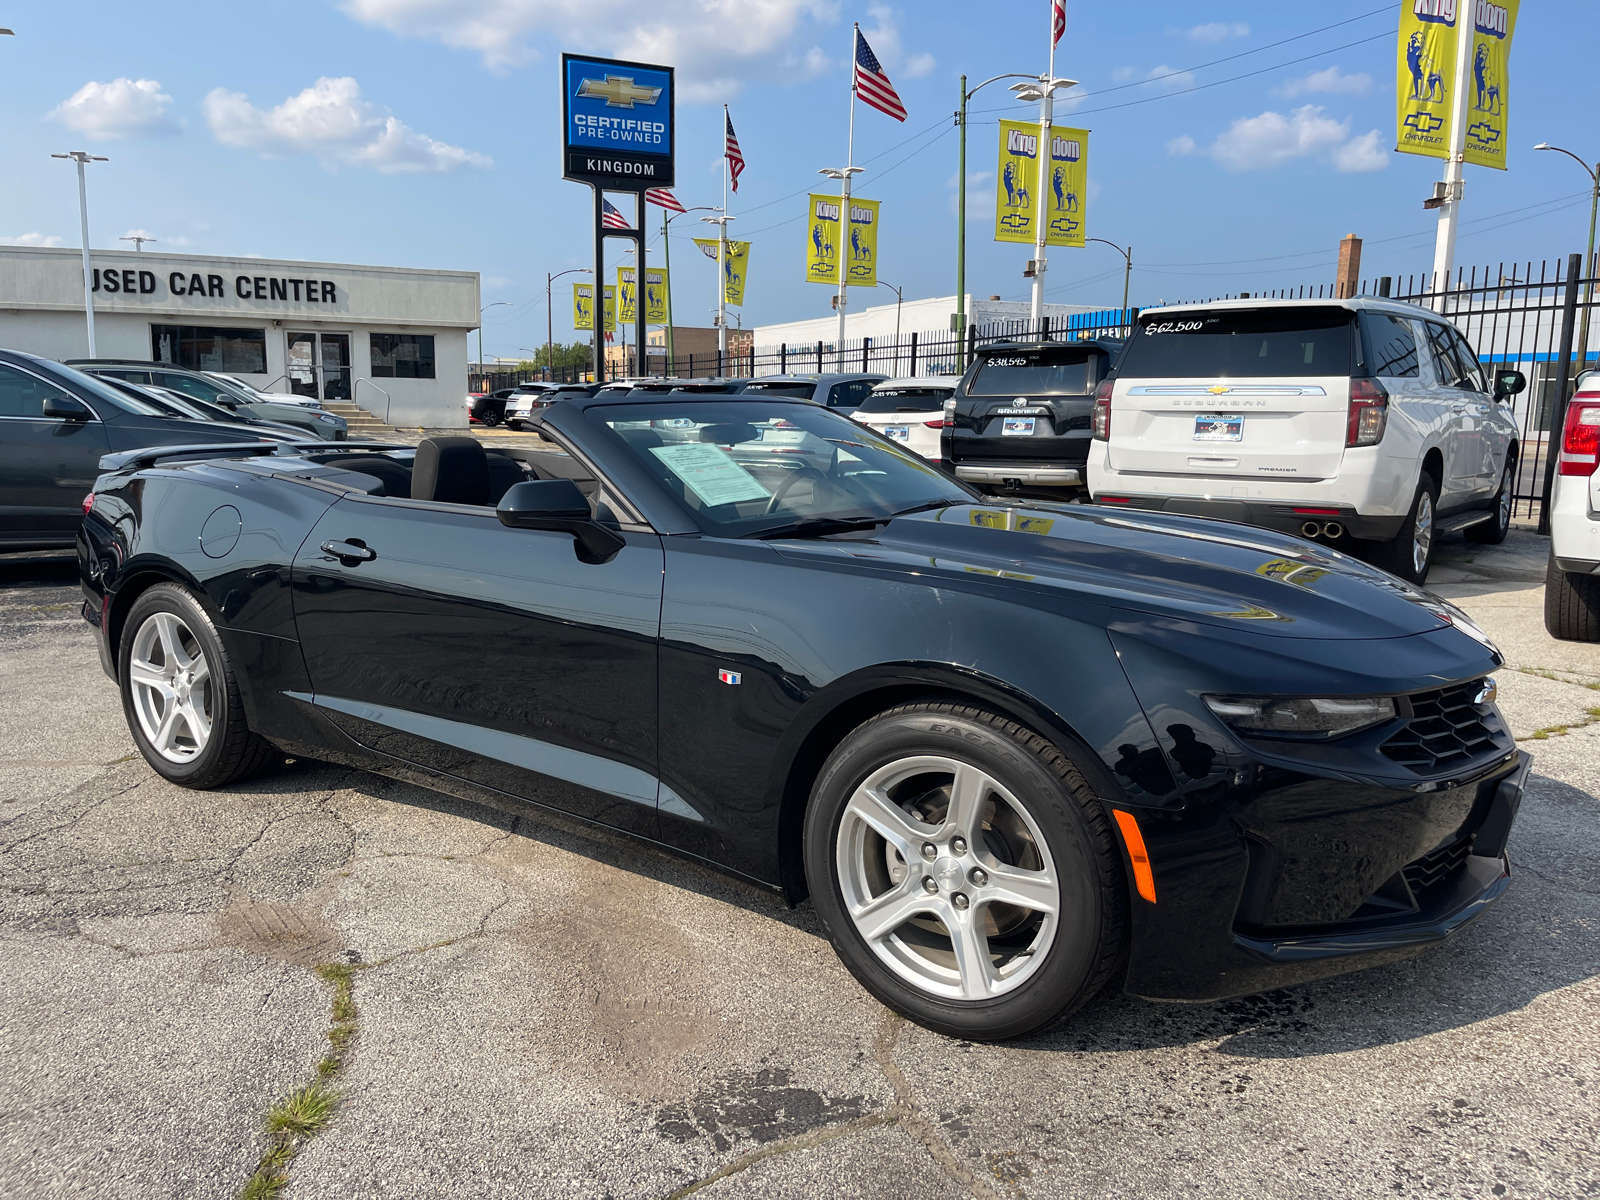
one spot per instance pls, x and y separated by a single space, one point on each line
1572 580
1356 422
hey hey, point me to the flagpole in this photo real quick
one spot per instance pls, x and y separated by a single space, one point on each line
1041 209
670 365
844 193
722 250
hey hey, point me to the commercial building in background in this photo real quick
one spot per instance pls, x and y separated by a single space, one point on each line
695 348
391 339
915 316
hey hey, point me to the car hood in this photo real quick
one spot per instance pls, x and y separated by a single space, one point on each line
1192 569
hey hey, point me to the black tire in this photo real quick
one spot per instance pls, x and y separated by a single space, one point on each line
516 425
1087 945
490 418
1399 554
1493 531
230 751
1571 604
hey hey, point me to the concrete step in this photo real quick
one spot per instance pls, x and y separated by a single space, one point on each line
364 426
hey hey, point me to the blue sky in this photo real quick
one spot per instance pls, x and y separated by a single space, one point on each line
425 133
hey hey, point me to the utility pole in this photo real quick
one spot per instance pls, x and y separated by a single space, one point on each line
1444 246
138 240
481 311
666 241
899 298
550 320
960 323
1127 268
81 157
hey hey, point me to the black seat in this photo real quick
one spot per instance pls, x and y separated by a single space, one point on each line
395 476
451 470
504 473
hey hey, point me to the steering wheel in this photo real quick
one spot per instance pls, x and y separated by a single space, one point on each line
795 476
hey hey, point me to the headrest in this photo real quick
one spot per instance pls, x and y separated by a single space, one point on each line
451 470
641 439
730 434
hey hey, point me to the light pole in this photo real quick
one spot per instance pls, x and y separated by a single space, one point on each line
843 176
721 222
481 311
961 201
138 240
1588 259
666 259
1127 268
899 298
1042 88
81 157
550 320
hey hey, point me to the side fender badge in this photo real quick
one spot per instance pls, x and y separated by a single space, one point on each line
730 677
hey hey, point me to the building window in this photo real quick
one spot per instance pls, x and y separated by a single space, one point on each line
402 356
201 348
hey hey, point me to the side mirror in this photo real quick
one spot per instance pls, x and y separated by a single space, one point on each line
1508 384
65 408
557 504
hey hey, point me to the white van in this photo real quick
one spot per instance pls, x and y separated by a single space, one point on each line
1358 423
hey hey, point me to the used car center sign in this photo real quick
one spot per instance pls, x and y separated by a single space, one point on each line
617 128
133 282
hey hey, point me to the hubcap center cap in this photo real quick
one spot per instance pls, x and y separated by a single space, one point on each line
949 874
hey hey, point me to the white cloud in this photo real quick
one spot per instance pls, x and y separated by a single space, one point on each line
1272 139
331 121
715 44
1216 31
122 108
30 239
1163 78
1332 82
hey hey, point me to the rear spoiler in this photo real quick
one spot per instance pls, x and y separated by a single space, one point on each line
134 460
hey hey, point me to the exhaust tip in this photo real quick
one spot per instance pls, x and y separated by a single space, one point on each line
1310 529
1333 529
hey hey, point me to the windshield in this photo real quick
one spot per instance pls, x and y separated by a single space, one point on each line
1035 372
1240 344
802 390
905 399
754 466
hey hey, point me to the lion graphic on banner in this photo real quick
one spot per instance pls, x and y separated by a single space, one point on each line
1488 81
1066 198
857 250
819 239
1016 190
1427 83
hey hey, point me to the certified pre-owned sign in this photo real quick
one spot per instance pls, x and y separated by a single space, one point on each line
616 123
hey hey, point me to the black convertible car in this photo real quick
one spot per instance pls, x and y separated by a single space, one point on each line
1013 754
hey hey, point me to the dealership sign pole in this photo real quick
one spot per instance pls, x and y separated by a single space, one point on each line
81 157
618 135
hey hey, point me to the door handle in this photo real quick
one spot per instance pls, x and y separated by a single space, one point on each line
352 553
1459 406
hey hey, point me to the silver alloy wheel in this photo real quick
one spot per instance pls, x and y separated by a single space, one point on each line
947 877
1504 513
173 693
1422 532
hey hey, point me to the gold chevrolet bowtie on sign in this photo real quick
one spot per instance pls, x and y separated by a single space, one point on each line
1218 389
619 91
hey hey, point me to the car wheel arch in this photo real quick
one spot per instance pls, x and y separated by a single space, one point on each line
831 715
1433 464
138 577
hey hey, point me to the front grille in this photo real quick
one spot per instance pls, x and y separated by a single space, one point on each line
1436 865
1447 730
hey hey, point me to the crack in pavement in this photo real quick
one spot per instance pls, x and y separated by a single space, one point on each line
22 841
803 1141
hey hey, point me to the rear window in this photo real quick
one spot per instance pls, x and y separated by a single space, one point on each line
802 390
910 399
1240 344
1035 372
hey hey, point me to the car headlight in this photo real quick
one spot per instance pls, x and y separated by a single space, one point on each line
1302 717
328 417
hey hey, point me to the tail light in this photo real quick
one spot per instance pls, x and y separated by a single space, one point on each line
1580 437
88 504
935 424
1100 428
1369 413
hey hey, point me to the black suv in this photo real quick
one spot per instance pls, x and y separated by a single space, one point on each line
1018 422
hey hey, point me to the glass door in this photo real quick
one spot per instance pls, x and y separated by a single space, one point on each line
319 365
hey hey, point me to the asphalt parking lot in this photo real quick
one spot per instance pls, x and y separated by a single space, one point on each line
541 1011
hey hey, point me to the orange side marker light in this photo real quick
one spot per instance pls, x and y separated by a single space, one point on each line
1143 881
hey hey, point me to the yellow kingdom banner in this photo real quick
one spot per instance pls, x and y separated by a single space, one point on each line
733 270
863 242
655 295
822 239
1489 100
1065 203
627 295
583 306
1425 76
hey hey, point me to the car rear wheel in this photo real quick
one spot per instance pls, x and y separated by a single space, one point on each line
490 418
1493 531
180 695
1571 604
965 872
1409 553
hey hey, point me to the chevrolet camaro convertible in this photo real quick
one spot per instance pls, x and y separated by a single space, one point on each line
1012 754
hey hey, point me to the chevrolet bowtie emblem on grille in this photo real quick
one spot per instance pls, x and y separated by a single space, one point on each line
1422 122
1487 693
619 91
1218 389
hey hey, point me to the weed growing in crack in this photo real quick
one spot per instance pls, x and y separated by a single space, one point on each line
296 1118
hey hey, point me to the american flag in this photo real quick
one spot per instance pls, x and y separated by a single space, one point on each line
1058 20
611 218
664 198
871 84
735 155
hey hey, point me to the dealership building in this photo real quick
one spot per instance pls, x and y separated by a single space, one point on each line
391 339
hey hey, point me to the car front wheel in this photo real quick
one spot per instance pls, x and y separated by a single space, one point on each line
965 872
1571 604
179 693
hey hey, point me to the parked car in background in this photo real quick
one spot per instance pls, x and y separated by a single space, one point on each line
216 393
1364 423
1572 577
56 424
262 394
842 392
909 411
487 408
1018 422
522 400
185 407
